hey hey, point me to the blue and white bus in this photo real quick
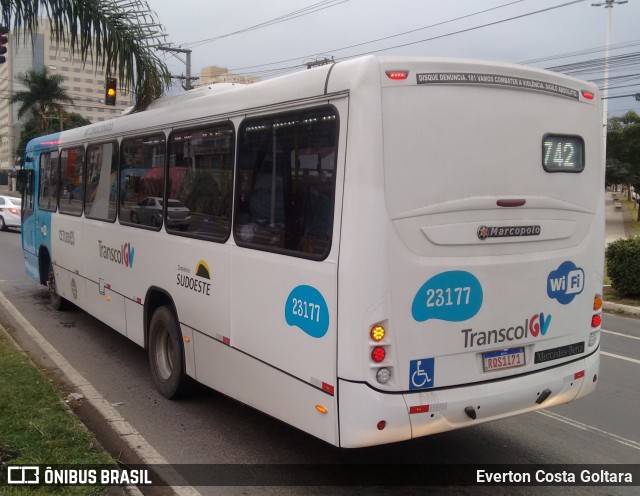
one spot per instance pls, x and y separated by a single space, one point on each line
371 251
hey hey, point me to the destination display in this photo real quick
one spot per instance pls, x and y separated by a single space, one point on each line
562 153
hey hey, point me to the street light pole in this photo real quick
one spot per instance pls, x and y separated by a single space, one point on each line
608 4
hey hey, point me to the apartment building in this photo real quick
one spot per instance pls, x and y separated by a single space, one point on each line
83 83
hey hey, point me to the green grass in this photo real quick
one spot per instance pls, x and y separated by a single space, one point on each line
36 427
633 212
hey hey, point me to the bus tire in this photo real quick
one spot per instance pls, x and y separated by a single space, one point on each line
166 356
57 301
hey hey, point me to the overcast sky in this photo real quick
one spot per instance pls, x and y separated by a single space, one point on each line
569 28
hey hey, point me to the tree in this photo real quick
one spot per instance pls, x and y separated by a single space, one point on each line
623 150
42 97
32 129
118 35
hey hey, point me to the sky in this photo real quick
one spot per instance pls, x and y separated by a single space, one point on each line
507 31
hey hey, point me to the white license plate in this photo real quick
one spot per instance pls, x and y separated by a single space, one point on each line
503 359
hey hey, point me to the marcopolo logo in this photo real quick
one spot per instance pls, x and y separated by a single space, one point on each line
536 325
123 255
565 283
485 232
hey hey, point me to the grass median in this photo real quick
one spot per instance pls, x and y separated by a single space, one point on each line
37 427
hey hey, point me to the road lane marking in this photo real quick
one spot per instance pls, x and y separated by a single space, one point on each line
613 437
620 357
124 429
620 334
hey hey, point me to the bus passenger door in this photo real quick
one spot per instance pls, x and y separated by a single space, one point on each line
26 184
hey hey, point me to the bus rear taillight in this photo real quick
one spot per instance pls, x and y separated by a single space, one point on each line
380 351
378 354
597 302
377 333
596 320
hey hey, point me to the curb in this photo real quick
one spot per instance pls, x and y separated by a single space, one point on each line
621 309
125 431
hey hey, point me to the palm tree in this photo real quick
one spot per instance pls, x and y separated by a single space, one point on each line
117 35
43 96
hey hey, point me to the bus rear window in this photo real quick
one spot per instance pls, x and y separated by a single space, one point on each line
562 153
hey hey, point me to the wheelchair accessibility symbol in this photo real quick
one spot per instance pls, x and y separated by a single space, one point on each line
421 373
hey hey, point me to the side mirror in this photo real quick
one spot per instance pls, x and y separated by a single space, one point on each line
23 180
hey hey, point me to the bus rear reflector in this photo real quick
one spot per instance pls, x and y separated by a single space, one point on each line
397 75
327 388
579 375
419 409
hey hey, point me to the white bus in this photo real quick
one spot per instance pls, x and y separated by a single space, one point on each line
371 251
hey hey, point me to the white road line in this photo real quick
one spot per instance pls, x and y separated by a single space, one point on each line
620 334
124 429
620 357
613 437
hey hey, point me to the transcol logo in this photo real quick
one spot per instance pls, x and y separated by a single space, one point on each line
565 283
536 325
123 255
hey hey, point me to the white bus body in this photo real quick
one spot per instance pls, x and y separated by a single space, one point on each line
462 212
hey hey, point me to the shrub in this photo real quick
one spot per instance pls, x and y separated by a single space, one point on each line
623 266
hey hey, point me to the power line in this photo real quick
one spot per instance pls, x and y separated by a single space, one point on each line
466 30
316 7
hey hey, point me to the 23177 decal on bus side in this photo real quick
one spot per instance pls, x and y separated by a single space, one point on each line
454 296
307 309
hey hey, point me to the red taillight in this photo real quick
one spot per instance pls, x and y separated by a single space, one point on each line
397 75
378 354
587 94
14 211
596 320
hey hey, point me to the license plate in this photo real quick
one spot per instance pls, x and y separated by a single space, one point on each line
503 359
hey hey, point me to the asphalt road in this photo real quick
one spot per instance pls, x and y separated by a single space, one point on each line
211 428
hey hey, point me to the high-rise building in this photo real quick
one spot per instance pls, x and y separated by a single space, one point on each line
84 83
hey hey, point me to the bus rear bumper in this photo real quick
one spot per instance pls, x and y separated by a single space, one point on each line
411 415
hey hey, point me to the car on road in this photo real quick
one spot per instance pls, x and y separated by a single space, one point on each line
149 212
10 212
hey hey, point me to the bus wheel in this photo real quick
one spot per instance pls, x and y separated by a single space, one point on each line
57 301
166 358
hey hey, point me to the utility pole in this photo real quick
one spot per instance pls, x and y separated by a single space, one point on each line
187 84
608 4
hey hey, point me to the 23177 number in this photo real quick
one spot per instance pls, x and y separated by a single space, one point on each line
306 309
448 297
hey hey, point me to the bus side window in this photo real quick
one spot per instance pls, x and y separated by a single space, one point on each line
286 182
48 190
142 181
201 182
102 171
71 181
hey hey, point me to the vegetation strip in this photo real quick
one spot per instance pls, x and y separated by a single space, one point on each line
36 427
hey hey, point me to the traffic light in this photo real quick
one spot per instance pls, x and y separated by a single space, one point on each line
110 91
4 38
